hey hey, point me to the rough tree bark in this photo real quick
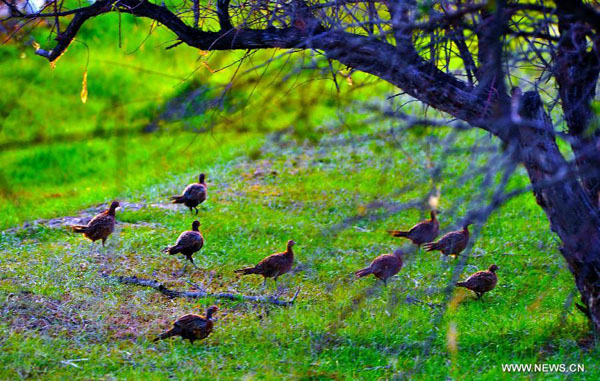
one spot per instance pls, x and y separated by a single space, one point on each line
572 215
576 73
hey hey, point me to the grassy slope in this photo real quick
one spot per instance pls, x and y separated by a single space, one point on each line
56 307
62 154
333 330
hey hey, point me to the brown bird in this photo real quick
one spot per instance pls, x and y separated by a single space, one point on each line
452 243
188 243
384 266
191 327
423 232
272 266
101 226
481 282
193 195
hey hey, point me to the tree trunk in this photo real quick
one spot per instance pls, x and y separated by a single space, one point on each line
572 215
576 71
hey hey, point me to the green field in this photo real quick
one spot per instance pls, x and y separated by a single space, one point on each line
274 173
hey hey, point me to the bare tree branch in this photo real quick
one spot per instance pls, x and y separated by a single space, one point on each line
223 14
134 280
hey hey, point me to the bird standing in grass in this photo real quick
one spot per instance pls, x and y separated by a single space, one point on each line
384 266
191 327
423 232
101 226
272 266
188 243
452 243
481 282
193 195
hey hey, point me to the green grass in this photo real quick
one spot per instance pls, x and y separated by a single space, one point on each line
59 154
340 327
42 181
62 319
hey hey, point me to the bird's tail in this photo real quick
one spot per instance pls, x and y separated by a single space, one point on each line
364 272
79 228
246 271
170 333
398 233
430 246
177 199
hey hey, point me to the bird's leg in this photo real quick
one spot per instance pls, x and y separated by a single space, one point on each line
276 286
103 241
191 210
478 295
196 210
264 282
385 282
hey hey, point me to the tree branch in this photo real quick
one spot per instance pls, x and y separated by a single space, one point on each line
576 71
223 14
581 12
400 65
196 11
81 16
150 283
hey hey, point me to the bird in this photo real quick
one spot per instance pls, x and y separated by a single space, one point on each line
272 266
423 232
193 195
188 243
452 243
481 282
99 227
384 266
191 327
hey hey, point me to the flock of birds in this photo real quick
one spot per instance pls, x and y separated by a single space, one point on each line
196 327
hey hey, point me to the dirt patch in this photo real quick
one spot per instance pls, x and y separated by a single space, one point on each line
84 216
25 311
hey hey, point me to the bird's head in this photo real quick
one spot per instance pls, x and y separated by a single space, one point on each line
399 252
195 225
211 310
291 243
493 268
201 178
113 206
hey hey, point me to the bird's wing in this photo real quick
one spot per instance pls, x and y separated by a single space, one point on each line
100 219
191 322
382 262
451 239
271 263
487 278
478 279
421 227
189 239
194 192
